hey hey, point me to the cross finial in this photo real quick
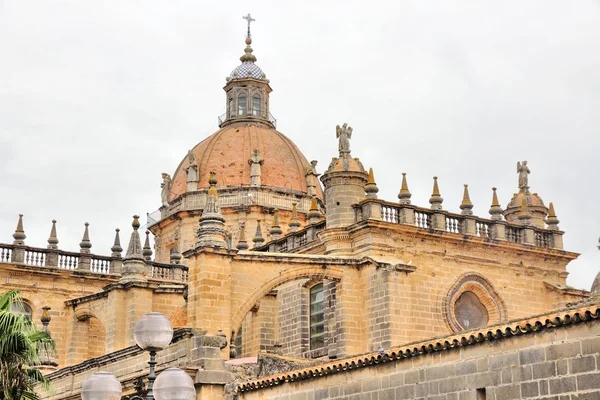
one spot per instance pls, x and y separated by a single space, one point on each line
250 20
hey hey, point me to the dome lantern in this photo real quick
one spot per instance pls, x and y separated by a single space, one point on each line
247 90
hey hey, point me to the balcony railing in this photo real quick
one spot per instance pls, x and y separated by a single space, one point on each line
97 264
249 115
291 242
457 223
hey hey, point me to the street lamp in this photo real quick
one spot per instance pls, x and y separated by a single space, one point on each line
152 333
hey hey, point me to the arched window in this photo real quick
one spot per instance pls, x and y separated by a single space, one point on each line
317 320
22 308
256 105
231 108
238 343
242 104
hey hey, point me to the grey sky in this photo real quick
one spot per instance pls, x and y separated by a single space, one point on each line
97 98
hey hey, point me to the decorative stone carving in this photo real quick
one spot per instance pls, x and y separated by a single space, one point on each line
193 173
311 179
343 134
166 188
524 172
256 162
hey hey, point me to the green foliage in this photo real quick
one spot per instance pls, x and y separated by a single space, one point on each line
19 344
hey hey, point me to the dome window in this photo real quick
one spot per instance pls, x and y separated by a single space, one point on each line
242 104
231 109
256 105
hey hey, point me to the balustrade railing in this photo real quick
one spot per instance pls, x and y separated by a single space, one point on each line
100 264
68 260
456 223
294 240
5 253
39 257
482 229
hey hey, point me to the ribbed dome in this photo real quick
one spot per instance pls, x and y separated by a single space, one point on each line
247 70
227 153
531 199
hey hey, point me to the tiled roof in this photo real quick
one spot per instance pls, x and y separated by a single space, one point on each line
520 327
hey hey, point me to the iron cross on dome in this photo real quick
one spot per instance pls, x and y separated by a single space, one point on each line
250 20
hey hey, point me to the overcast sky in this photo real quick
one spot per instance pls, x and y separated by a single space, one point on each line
97 98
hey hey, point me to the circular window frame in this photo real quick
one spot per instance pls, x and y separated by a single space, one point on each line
485 292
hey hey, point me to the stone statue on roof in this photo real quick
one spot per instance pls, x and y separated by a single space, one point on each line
524 172
344 134
193 172
166 188
311 179
256 162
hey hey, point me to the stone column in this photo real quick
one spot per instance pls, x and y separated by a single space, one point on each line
18 253
52 254
85 259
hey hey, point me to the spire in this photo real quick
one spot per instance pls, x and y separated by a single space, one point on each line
466 206
134 250
436 199
258 237
314 215
211 232
275 228
242 244
19 234
371 187
116 248
552 221
53 240
495 209
404 194
85 245
134 267
147 251
294 223
248 56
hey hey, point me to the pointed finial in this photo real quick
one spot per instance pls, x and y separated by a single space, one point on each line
174 256
436 199
275 228
258 237
495 209
314 215
147 251
134 250
85 245
53 240
19 234
371 187
466 206
552 221
404 194
294 222
242 244
116 248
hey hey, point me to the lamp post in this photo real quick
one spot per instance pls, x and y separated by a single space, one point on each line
152 333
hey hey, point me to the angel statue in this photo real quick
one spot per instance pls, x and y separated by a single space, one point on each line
524 172
166 188
344 134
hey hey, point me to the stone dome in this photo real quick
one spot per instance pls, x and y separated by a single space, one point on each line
531 199
227 153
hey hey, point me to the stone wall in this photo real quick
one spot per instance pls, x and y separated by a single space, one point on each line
552 363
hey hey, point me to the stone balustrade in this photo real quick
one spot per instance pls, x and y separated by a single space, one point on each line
294 240
66 260
234 197
442 220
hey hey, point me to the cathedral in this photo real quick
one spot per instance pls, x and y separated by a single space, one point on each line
287 280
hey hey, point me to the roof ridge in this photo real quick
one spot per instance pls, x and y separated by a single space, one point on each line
415 349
